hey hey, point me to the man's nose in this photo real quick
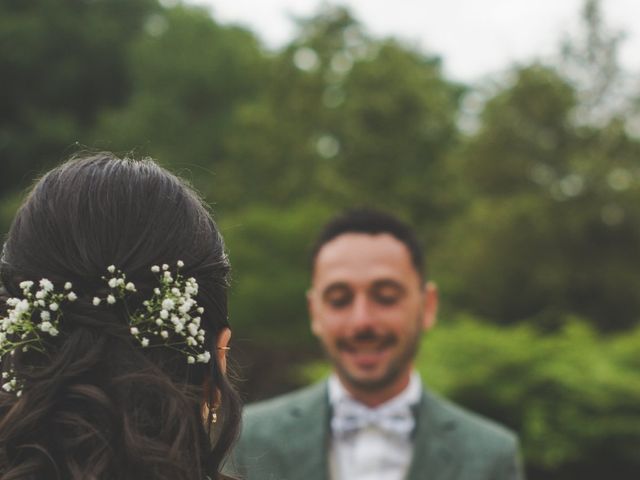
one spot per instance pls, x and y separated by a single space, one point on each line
362 315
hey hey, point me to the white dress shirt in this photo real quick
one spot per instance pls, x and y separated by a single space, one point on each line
362 450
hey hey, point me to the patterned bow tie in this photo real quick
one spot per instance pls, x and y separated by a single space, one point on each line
349 417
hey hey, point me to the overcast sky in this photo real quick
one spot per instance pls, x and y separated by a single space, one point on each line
474 37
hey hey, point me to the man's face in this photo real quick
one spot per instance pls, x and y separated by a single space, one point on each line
368 308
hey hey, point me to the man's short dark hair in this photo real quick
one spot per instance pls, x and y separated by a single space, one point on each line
373 222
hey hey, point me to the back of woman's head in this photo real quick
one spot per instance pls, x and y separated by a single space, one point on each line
94 403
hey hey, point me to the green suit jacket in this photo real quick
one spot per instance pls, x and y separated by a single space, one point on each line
286 438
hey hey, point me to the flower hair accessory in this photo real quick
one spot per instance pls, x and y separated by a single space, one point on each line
29 320
170 318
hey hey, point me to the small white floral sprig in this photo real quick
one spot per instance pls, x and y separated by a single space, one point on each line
170 318
29 320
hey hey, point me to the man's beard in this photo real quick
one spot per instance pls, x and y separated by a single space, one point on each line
396 367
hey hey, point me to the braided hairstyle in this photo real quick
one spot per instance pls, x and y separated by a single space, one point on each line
95 405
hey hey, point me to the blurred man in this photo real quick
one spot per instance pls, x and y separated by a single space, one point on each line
373 418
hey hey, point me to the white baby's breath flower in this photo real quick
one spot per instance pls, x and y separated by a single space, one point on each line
111 268
164 314
22 306
134 331
72 297
26 285
155 268
68 286
167 276
191 359
144 342
204 357
41 294
164 334
165 266
193 329
46 285
113 282
45 316
45 326
200 310
54 306
111 299
159 322
130 287
178 328
180 264
53 331
96 301
157 291
168 304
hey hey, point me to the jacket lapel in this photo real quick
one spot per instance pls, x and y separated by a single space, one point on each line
432 452
307 445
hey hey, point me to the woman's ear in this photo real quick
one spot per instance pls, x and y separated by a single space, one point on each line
222 347
211 399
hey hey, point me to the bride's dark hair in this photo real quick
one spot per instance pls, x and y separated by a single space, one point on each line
95 405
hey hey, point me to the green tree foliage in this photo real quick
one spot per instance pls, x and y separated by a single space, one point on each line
591 62
270 261
188 75
344 118
269 250
553 189
61 64
553 209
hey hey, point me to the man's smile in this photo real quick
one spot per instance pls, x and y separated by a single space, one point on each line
366 351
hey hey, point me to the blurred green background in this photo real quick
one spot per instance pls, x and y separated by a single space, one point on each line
525 190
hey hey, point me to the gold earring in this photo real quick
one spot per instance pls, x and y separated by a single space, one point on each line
213 414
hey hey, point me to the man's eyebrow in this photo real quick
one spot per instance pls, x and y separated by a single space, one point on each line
388 283
333 287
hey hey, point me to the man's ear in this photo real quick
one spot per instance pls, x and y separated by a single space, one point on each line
430 313
311 309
